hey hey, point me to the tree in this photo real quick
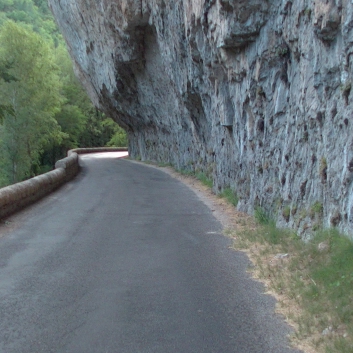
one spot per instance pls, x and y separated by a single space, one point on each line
35 99
5 76
43 108
119 138
31 14
85 125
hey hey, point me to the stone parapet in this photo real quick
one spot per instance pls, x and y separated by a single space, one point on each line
17 196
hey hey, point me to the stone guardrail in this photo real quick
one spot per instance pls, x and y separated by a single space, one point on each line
17 196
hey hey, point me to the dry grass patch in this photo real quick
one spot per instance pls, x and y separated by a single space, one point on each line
313 283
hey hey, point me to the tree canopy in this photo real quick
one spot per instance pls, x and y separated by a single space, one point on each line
43 109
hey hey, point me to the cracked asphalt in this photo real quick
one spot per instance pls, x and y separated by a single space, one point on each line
126 259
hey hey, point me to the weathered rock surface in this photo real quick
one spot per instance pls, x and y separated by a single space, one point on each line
256 94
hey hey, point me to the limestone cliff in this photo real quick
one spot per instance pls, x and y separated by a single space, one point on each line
255 93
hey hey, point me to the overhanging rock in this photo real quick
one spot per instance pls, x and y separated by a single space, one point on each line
256 94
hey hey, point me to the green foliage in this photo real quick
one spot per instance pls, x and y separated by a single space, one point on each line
273 235
307 12
163 165
6 109
44 111
186 172
333 270
323 170
34 94
331 287
5 76
230 196
261 216
96 133
316 209
87 127
204 179
286 213
32 15
119 139
308 276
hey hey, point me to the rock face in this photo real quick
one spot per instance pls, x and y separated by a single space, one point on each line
256 94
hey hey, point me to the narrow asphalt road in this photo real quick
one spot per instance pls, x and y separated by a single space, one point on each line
126 259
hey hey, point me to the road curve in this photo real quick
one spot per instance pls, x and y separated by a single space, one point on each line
126 259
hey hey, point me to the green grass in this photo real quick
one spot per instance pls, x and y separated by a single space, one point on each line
329 293
204 179
162 165
230 196
319 282
201 176
332 271
261 216
186 172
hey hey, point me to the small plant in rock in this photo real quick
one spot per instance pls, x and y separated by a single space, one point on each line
323 170
260 92
346 90
316 209
316 227
282 51
294 210
346 87
307 12
286 213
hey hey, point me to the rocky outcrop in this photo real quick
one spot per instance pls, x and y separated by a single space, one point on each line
256 94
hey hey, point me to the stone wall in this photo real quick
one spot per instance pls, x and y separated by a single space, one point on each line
255 93
17 196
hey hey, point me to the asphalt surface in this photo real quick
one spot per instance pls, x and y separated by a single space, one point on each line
127 259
